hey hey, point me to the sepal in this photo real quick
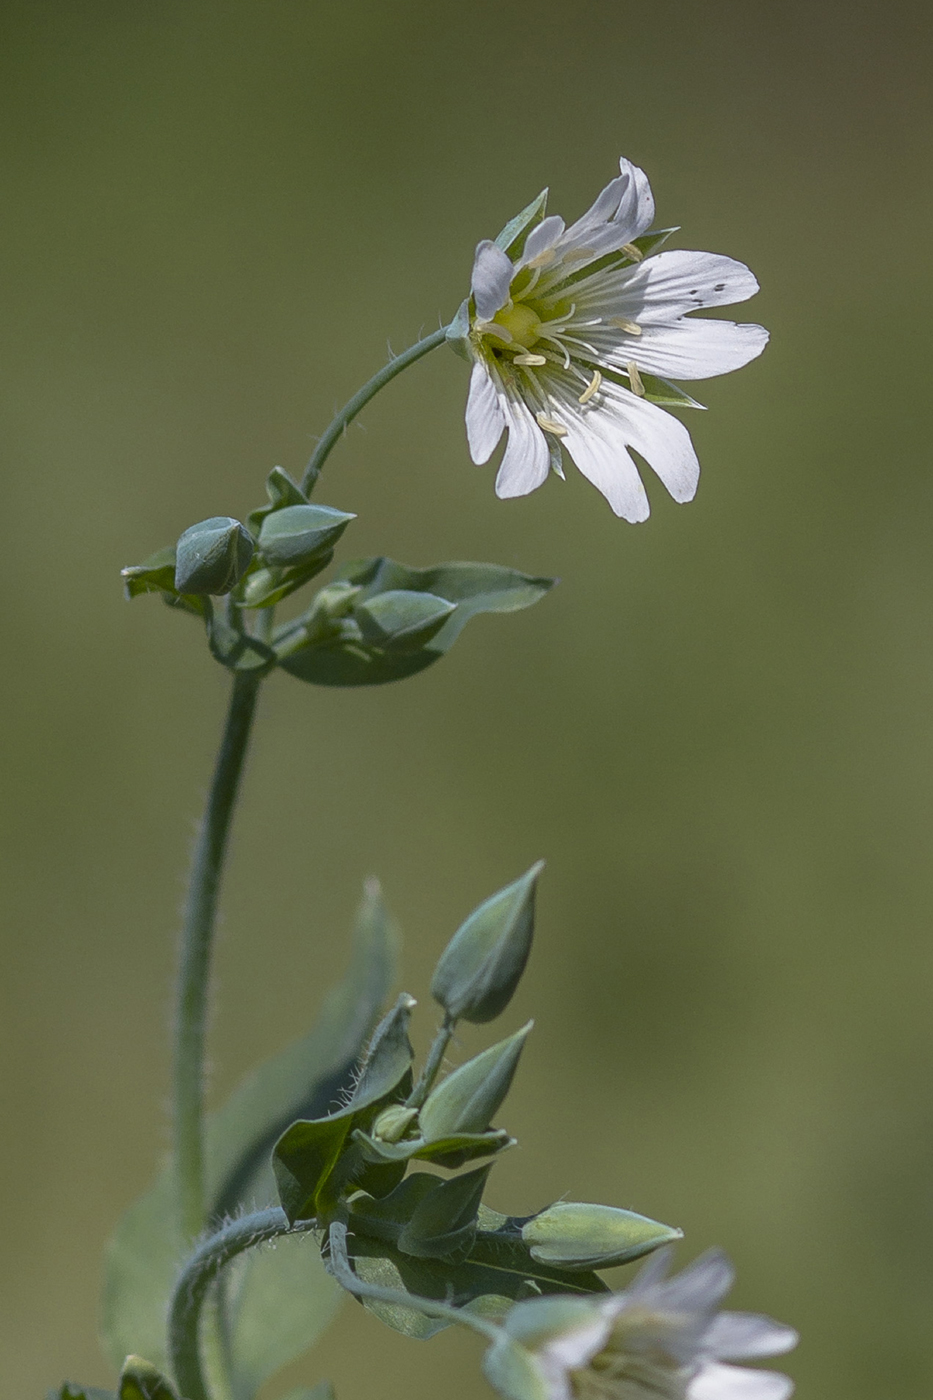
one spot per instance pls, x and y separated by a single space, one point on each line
511 239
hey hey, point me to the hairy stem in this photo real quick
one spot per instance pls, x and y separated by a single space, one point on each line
340 1267
195 963
199 1273
361 399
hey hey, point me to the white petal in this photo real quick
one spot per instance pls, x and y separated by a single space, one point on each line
714 1382
666 446
734 1336
670 284
542 238
527 461
703 1283
492 275
485 420
597 443
638 202
623 210
687 349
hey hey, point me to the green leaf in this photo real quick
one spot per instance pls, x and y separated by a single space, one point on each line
512 238
157 575
452 1151
279 1301
348 660
467 1100
144 1254
308 1151
480 968
492 1277
443 1223
657 390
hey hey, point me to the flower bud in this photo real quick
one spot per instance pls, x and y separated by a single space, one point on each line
140 1381
481 966
299 534
393 1122
212 556
400 620
576 1236
466 1101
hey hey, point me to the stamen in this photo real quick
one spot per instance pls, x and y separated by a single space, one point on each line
577 254
591 388
634 377
630 327
550 425
529 360
561 347
632 251
495 329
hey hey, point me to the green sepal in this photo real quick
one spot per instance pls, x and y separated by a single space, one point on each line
400 620
481 966
458 332
345 659
282 491
467 1100
576 1236
512 238
657 390
443 1224
212 556
141 1381
157 575
307 1153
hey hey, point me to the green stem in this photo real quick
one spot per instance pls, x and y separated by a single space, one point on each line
199 1273
340 1267
432 1064
361 399
194 970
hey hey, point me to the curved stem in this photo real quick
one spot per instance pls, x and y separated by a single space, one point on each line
196 1278
195 963
343 1273
361 399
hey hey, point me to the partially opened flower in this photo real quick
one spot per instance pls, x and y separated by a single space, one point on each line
573 334
662 1339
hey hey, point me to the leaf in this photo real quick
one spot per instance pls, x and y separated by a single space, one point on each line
144 1254
490 1278
443 1223
348 660
279 1302
282 491
157 575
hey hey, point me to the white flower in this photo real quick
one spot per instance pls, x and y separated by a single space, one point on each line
662 1339
572 332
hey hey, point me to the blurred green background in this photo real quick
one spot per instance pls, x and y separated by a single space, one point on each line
718 730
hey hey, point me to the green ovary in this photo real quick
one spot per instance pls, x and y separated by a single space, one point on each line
521 322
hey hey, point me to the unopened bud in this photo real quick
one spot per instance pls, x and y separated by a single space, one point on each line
576 1236
401 620
467 1100
212 556
298 535
140 1381
393 1122
482 964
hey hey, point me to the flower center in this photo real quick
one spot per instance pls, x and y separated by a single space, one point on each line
523 324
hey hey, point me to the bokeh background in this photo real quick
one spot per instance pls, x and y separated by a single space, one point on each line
718 730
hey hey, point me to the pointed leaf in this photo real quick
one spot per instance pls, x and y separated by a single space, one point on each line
443 1224
282 491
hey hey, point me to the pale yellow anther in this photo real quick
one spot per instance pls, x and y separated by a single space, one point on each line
634 377
529 360
591 388
577 254
632 251
630 327
550 425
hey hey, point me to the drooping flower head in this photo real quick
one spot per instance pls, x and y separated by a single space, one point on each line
574 334
662 1339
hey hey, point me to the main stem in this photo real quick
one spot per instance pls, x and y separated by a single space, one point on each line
200 916
360 399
